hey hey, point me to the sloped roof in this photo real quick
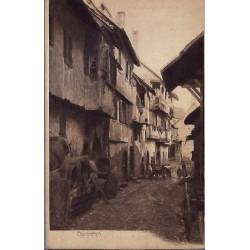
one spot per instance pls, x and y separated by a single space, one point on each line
143 83
146 74
186 65
117 35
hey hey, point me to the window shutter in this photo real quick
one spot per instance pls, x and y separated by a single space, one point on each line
120 111
114 71
127 70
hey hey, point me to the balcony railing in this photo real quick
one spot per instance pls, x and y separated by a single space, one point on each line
157 134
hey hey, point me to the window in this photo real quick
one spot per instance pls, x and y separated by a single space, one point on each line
130 72
67 49
90 59
106 66
109 68
122 112
127 70
140 98
163 124
93 67
51 38
125 112
112 69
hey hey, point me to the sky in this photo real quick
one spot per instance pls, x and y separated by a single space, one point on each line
165 27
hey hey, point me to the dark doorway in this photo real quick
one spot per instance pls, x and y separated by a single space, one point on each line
125 165
158 159
131 159
171 152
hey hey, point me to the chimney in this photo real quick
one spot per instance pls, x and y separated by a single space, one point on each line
135 36
120 19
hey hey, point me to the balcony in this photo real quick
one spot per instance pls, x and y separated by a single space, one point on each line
140 114
160 136
160 105
118 132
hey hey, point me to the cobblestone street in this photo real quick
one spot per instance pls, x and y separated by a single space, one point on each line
152 205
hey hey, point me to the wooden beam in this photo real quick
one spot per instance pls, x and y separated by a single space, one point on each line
196 91
194 94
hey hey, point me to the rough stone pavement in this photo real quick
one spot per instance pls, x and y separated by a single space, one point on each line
152 205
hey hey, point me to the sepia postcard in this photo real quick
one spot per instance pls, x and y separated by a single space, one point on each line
124 121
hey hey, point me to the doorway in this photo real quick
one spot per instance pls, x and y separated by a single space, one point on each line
125 165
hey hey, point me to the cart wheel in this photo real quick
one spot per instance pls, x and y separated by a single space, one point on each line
187 217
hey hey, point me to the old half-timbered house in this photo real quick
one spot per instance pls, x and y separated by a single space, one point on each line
157 130
90 91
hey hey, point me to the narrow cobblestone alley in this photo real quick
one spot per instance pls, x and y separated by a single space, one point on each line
152 205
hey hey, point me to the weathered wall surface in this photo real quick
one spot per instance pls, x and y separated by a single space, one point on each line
163 153
80 128
74 124
187 149
71 82
141 114
54 118
138 152
75 127
67 82
123 85
151 148
119 154
119 132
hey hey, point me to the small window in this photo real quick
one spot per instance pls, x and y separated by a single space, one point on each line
122 112
93 68
106 65
130 72
68 49
112 70
127 70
